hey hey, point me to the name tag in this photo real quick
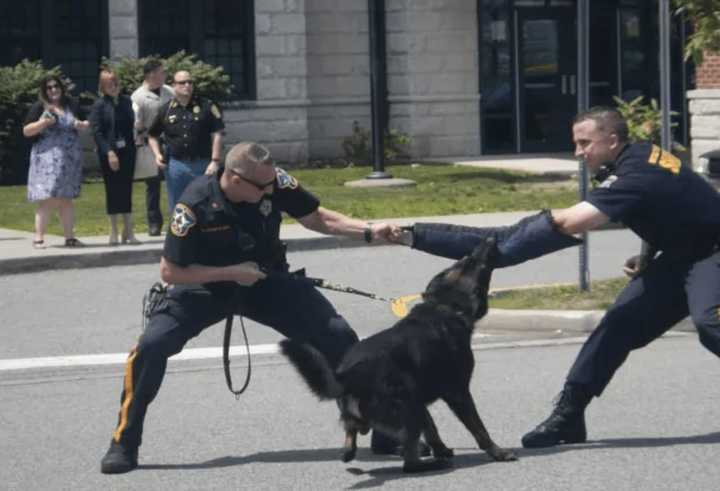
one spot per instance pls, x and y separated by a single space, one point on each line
120 144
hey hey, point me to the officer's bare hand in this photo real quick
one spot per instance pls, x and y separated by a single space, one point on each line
381 231
397 235
633 266
212 168
246 273
113 161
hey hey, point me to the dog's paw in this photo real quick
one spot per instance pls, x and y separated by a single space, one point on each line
348 454
502 454
426 465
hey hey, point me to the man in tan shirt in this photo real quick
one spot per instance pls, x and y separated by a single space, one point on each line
147 100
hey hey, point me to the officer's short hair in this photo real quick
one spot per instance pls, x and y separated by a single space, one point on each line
245 157
150 66
607 119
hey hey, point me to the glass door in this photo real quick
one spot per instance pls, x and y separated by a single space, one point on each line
546 83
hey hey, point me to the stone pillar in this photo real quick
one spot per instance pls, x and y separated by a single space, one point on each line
704 110
433 75
123 28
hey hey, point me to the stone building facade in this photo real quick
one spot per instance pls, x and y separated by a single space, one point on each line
705 110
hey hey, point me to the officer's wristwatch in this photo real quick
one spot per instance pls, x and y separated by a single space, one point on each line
367 234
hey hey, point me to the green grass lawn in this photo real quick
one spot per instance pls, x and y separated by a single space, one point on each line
441 190
601 295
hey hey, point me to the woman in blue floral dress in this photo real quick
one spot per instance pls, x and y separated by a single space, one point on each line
55 159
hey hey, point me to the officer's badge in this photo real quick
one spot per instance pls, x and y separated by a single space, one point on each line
215 111
196 109
285 180
182 221
265 207
172 118
608 182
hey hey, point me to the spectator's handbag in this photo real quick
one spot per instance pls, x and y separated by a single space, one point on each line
145 167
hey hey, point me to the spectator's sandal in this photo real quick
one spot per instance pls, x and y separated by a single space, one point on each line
73 242
38 244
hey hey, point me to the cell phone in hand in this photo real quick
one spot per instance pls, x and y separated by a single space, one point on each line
47 114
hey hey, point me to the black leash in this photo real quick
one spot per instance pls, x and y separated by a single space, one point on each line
226 356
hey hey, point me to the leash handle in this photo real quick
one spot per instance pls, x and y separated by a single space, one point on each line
226 356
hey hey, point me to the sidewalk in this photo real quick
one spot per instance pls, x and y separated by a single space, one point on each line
17 255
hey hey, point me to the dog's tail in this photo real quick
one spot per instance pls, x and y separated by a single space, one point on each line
314 368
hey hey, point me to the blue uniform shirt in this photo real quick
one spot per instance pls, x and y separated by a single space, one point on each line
668 205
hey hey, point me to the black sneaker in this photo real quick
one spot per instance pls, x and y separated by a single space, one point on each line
119 459
381 444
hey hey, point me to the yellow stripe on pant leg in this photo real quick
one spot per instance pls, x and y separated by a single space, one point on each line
129 388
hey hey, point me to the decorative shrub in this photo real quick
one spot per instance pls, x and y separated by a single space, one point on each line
358 145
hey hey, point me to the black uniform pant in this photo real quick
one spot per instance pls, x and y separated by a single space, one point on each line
293 308
669 290
152 201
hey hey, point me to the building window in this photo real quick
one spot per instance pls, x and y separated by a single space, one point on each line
496 77
69 33
221 32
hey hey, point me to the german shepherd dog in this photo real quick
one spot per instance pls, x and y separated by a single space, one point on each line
386 381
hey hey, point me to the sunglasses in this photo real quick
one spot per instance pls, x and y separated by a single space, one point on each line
183 82
259 186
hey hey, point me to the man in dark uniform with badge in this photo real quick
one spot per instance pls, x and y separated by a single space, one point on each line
669 206
223 256
192 128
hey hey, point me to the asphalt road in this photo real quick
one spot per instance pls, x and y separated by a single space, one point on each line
654 428
97 310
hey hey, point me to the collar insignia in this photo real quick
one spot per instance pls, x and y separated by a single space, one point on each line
265 207
608 182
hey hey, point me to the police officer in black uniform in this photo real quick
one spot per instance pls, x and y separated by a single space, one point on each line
668 205
223 256
192 128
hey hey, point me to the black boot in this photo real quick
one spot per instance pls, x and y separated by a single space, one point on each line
119 459
566 424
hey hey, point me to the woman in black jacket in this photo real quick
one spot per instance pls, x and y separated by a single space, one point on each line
112 121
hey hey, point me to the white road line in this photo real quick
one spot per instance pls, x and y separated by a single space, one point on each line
257 349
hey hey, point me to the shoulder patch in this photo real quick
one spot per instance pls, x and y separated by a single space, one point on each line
182 221
215 111
664 159
285 180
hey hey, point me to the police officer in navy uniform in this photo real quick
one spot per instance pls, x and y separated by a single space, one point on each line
223 256
668 205
192 128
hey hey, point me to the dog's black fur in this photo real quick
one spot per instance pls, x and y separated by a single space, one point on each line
387 380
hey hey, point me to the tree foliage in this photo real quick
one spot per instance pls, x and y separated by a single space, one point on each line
704 15
208 81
